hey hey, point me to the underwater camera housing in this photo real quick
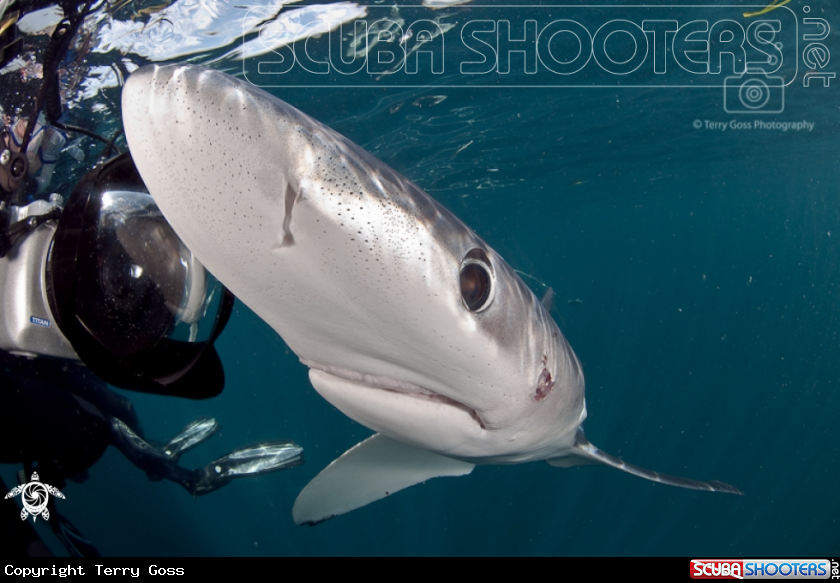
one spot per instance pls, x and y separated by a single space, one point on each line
112 285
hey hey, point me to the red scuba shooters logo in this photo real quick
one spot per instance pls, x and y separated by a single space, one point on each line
717 569
761 569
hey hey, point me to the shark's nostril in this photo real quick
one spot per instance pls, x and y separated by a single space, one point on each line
544 385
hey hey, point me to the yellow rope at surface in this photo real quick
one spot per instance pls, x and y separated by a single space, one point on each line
772 6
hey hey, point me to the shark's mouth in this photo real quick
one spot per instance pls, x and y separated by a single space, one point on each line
385 383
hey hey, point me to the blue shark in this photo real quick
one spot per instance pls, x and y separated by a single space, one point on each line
409 323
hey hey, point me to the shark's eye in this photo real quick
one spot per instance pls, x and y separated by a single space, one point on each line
476 281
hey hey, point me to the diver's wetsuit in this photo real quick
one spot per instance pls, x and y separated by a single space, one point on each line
60 415
56 413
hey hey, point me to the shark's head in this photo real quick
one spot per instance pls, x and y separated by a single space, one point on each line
410 323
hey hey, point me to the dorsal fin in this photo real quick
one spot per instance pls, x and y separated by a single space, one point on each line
585 453
548 299
369 471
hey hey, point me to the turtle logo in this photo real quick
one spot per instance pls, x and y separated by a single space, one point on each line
35 498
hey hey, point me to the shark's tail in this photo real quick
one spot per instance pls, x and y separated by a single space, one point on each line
586 453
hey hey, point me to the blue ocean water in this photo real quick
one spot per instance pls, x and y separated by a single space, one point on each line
706 263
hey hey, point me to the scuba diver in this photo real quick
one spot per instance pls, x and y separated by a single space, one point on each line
98 290
43 150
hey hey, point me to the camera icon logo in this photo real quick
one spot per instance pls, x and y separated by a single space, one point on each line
754 92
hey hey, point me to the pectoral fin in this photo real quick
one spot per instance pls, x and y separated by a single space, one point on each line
583 453
373 469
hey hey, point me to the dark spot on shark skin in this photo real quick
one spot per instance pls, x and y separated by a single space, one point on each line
544 385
